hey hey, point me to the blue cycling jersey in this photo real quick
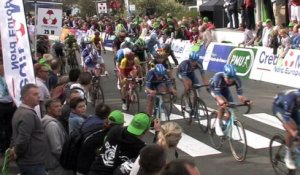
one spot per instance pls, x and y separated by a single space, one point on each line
185 68
120 55
287 100
218 84
152 81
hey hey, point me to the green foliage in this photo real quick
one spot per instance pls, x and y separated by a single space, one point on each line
87 7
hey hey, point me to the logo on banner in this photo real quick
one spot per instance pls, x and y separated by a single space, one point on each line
20 30
243 60
49 18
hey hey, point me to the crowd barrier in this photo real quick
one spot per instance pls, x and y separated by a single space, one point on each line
256 63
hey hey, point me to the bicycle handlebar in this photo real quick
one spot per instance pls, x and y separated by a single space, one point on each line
236 105
198 86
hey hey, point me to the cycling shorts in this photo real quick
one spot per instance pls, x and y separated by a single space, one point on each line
279 112
225 92
190 76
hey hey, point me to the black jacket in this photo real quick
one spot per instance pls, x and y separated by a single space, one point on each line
120 149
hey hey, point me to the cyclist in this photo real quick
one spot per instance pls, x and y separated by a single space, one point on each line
58 49
153 40
140 48
186 72
157 80
92 59
128 68
219 85
127 43
286 107
98 42
161 57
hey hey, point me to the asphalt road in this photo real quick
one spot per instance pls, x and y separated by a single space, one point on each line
196 145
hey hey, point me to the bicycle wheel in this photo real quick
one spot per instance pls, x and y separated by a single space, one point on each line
99 96
216 141
238 141
201 113
277 153
167 105
186 107
133 102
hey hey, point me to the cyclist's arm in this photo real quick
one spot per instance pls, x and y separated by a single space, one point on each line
239 90
173 57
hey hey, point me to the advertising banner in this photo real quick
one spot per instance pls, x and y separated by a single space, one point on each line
181 49
218 57
18 68
270 68
49 21
101 7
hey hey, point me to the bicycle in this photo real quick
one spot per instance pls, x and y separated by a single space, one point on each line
192 106
97 92
163 105
233 130
277 151
132 95
72 59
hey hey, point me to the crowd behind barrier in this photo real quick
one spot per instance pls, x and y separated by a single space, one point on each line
257 63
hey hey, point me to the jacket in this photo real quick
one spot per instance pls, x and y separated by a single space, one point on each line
120 149
28 139
56 137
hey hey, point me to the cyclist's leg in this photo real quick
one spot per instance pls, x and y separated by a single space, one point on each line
150 102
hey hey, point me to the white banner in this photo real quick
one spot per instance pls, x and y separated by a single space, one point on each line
17 60
102 7
49 21
270 68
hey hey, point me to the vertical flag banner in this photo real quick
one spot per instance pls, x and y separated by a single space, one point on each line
49 21
17 60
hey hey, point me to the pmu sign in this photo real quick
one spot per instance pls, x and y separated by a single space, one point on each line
243 60
49 21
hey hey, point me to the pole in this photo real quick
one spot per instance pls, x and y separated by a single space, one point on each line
35 30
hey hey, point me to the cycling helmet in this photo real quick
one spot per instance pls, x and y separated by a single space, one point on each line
140 43
194 56
160 69
127 39
229 71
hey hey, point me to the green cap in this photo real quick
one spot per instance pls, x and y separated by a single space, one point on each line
139 124
291 24
116 117
155 25
205 19
183 26
268 20
44 63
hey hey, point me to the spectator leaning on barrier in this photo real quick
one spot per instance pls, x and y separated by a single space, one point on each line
285 42
248 36
28 140
258 35
266 34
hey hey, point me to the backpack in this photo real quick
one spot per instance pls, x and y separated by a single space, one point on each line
71 147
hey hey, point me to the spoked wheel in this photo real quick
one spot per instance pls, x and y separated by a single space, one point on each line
133 102
277 152
98 96
202 115
216 141
186 107
167 107
238 141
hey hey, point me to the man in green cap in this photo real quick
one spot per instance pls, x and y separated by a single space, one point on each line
94 140
121 147
266 34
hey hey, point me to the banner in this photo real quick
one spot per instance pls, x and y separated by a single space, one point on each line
49 21
17 60
101 7
270 68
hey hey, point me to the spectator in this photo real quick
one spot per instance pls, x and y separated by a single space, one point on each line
53 74
56 137
266 34
207 35
248 36
28 140
180 167
182 33
258 35
231 9
66 110
42 72
7 108
167 136
95 140
277 4
73 78
83 85
152 159
249 11
274 41
285 42
77 115
295 10
122 145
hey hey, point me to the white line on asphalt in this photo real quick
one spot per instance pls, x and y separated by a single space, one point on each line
266 119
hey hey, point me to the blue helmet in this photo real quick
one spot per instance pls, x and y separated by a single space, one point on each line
229 71
160 69
194 56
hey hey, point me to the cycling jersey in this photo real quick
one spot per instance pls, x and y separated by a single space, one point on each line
185 68
91 58
119 55
220 88
152 82
126 66
96 40
285 103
